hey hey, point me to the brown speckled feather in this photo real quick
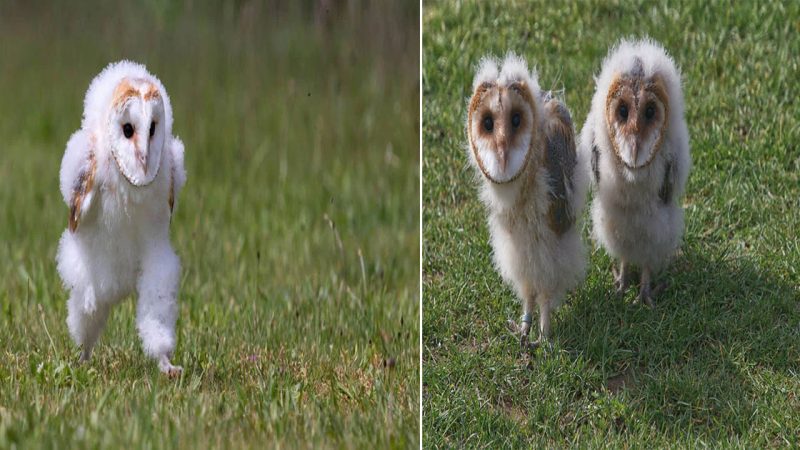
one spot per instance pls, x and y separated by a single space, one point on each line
596 163
665 193
560 160
83 186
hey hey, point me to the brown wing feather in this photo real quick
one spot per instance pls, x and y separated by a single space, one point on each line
560 160
83 186
171 199
665 193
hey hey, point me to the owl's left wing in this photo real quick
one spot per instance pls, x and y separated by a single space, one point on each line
177 172
560 161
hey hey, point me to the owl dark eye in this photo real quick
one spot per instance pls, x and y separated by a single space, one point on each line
152 128
127 130
488 124
623 111
650 112
515 120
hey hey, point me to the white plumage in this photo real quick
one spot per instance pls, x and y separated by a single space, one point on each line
120 176
521 142
637 143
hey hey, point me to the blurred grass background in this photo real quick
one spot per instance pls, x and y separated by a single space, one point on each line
717 363
298 228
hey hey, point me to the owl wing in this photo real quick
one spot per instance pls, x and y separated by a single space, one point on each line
77 176
177 172
668 185
560 161
595 164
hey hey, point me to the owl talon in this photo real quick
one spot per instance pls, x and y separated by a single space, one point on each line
545 344
513 327
542 342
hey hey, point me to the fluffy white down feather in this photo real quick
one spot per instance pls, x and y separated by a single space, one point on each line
121 245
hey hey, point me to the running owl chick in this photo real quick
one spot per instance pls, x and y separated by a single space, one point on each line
120 176
636 140
521 143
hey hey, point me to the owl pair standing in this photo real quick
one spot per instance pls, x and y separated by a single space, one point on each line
634 147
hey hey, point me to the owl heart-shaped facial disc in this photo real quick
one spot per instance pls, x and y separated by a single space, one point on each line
136 130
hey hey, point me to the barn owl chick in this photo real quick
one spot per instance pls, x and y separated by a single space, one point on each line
636 140
121 174
521 143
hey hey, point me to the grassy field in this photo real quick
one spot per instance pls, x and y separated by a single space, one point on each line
717 363
298 227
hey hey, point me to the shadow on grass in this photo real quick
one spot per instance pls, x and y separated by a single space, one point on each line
691 363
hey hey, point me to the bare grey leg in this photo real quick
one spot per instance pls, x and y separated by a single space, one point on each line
645 292
527 320
544 323
622 278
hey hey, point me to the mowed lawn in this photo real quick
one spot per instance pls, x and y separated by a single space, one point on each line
298 228
717 363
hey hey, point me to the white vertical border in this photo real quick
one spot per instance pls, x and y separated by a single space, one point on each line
420 224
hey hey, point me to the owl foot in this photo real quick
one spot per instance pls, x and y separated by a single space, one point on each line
168 369
525 330
86 355
621 279
648 290
545 344
646 296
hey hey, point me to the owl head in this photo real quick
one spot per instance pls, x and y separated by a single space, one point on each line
129 113
639 90
502 118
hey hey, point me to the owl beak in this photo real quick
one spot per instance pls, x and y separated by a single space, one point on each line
141 158
502 152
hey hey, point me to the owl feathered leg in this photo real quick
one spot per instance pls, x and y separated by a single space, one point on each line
86 317
157 308
85 322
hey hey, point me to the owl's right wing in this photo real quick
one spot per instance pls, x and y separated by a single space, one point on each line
561 161
668 184
77 176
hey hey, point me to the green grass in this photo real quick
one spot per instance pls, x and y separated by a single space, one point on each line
717 363
298 228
